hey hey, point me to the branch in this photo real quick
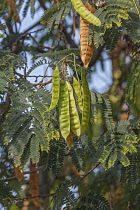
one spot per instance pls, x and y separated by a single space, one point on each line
22 37
85 175
68 38
45 195
42 46
41 83
31 27
96 55
26 172
42 4
31 197
9 25
22 76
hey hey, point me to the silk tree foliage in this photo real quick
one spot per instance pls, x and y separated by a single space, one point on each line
30 134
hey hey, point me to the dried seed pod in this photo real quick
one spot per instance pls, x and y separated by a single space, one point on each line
56 1
34 185
69 139
19 174
87 49
12 10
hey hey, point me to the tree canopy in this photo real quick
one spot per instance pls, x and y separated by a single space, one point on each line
65 144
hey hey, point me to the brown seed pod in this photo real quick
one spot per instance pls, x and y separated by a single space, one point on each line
12 10
19 174
69 139
34 185
87 49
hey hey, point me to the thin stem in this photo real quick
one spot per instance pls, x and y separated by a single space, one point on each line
64 58
42 4
45 73
46 195
42 83
92 169
30 197
26 172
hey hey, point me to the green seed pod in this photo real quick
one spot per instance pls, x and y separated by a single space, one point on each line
63 107
85 13
78 92
74 117
86 103
55 88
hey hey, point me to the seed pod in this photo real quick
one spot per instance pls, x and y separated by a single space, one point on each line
56 1
78 91
19 174
74 117
55 88
63 107
87 49
85 13
86 103
34 185
69 139
12 7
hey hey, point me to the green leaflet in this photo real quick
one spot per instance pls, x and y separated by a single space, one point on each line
112 159
34 150
123 159
63 107
128 147
43 141
55 88
105 153
85 13
78 92
86 103
74 117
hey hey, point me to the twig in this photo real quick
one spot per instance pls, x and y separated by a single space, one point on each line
42 46
46 195
68 38
31 197
14 46
44 74
41 83
38 76
26 172
110 201
85 175
40 168
42 5
31 27
22 76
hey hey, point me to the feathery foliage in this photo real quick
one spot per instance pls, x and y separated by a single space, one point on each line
84 171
